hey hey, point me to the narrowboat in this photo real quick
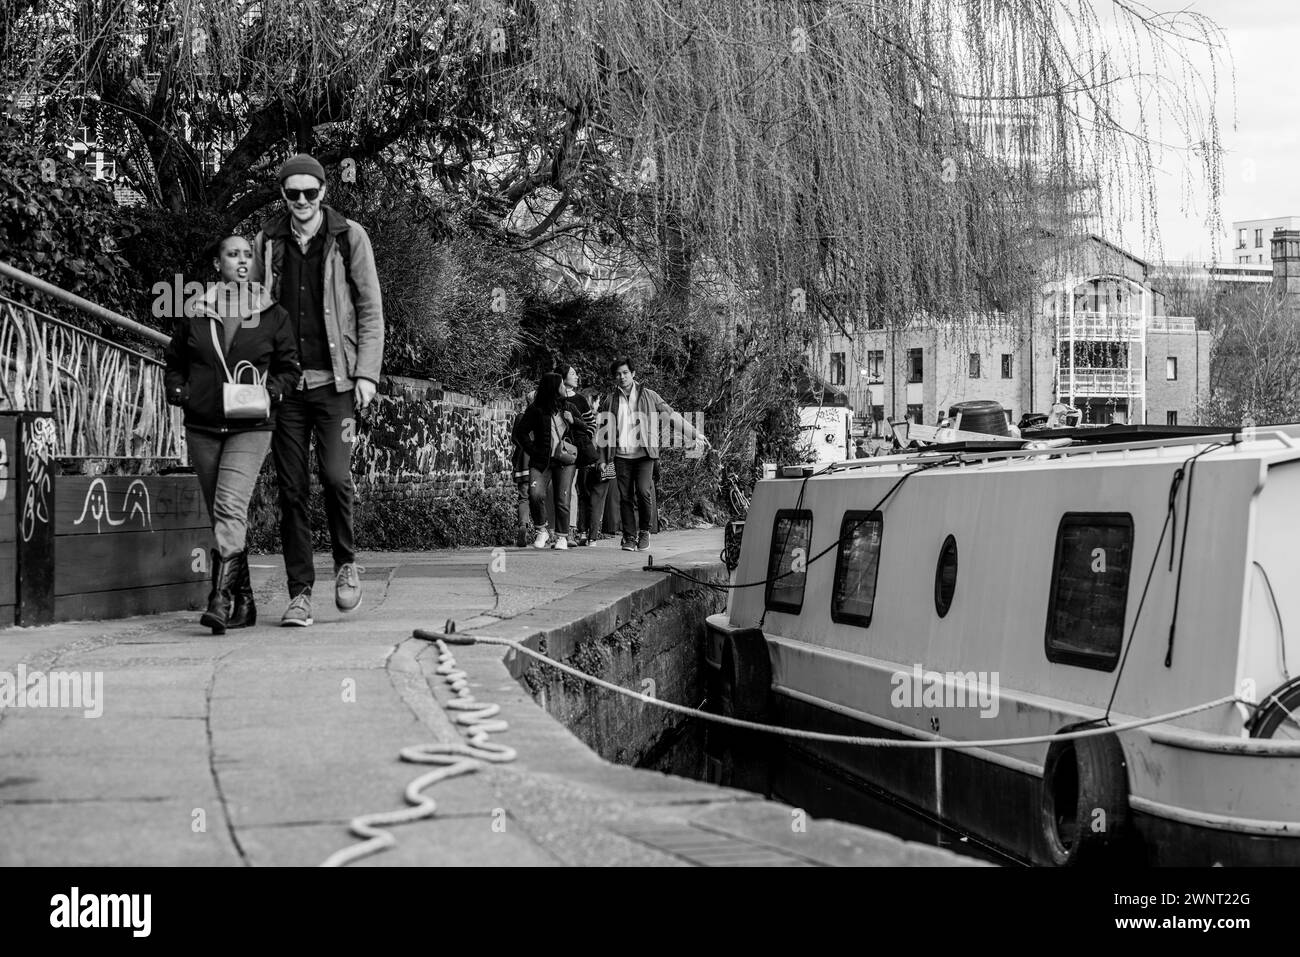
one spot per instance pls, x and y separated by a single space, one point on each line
980 592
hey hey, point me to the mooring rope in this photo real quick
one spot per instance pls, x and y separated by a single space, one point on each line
816 735
479 721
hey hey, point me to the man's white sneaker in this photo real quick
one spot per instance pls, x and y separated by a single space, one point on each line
542 538
562 542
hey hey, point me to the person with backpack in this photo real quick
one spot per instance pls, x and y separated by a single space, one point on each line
320 267
549 430
235 336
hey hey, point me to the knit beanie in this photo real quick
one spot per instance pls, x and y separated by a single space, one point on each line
301 164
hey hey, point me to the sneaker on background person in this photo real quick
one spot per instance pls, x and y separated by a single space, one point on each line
562 541
543 538
643 541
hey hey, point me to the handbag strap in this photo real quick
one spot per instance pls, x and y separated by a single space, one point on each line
216 344
239 366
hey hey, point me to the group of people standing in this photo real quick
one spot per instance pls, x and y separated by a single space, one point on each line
297 313
564 436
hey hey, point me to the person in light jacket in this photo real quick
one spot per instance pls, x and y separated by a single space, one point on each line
236 322
628 434
320 266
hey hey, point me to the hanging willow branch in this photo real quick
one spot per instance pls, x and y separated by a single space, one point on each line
830 160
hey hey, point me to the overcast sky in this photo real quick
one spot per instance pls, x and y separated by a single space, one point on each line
1261 171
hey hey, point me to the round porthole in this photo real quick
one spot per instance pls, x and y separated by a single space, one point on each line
945 576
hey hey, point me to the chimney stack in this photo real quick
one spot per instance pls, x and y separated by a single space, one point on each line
1285 248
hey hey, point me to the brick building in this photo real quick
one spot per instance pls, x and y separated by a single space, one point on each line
1097 339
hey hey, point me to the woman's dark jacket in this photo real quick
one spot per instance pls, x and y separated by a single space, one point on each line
532 431
195 375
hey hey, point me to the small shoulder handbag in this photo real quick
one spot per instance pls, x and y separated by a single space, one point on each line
565 452
241 400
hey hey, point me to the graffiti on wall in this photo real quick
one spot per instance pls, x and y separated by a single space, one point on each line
420 437
135 506
38 451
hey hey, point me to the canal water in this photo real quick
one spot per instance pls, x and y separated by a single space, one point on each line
786 774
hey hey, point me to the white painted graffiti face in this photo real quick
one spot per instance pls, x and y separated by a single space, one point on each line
135 506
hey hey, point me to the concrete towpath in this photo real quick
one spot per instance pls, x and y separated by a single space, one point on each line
258 747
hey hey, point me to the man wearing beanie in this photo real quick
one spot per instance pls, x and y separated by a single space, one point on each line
320 267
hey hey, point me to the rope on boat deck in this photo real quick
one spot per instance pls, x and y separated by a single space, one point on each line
457 759
817 735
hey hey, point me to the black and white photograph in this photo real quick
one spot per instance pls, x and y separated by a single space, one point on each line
912 388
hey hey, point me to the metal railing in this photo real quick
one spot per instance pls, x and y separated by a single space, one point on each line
1100 381
1172 324
1101 326
108 400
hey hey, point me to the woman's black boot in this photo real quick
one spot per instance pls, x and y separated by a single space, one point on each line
243 612
219 602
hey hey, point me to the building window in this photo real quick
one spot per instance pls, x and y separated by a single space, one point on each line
1090 571
915 365
1006 365
856 569
1171 368
787 561
945 576
876 364
974 365
837 368
1241 239
1171 418
878 413
1259 239
916 414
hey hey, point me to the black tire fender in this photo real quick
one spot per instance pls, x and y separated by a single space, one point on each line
746 675
1085 799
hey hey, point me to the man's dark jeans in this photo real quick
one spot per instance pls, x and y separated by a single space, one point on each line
636 495
330 416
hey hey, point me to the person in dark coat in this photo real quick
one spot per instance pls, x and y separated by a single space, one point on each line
542 430
236 325
588 463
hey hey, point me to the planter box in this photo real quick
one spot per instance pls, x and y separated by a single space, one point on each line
77 546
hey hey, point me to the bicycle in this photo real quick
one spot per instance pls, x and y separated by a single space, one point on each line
736 499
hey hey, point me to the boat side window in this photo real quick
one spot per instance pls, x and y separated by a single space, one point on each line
856 567
1085 613
787 561
945 576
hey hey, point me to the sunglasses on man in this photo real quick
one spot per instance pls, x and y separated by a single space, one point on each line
292 194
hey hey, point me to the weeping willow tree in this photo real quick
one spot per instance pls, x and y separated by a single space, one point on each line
825 161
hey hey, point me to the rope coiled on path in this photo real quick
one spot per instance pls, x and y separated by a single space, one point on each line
478 719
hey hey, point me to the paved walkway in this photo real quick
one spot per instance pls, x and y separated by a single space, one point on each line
258 747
